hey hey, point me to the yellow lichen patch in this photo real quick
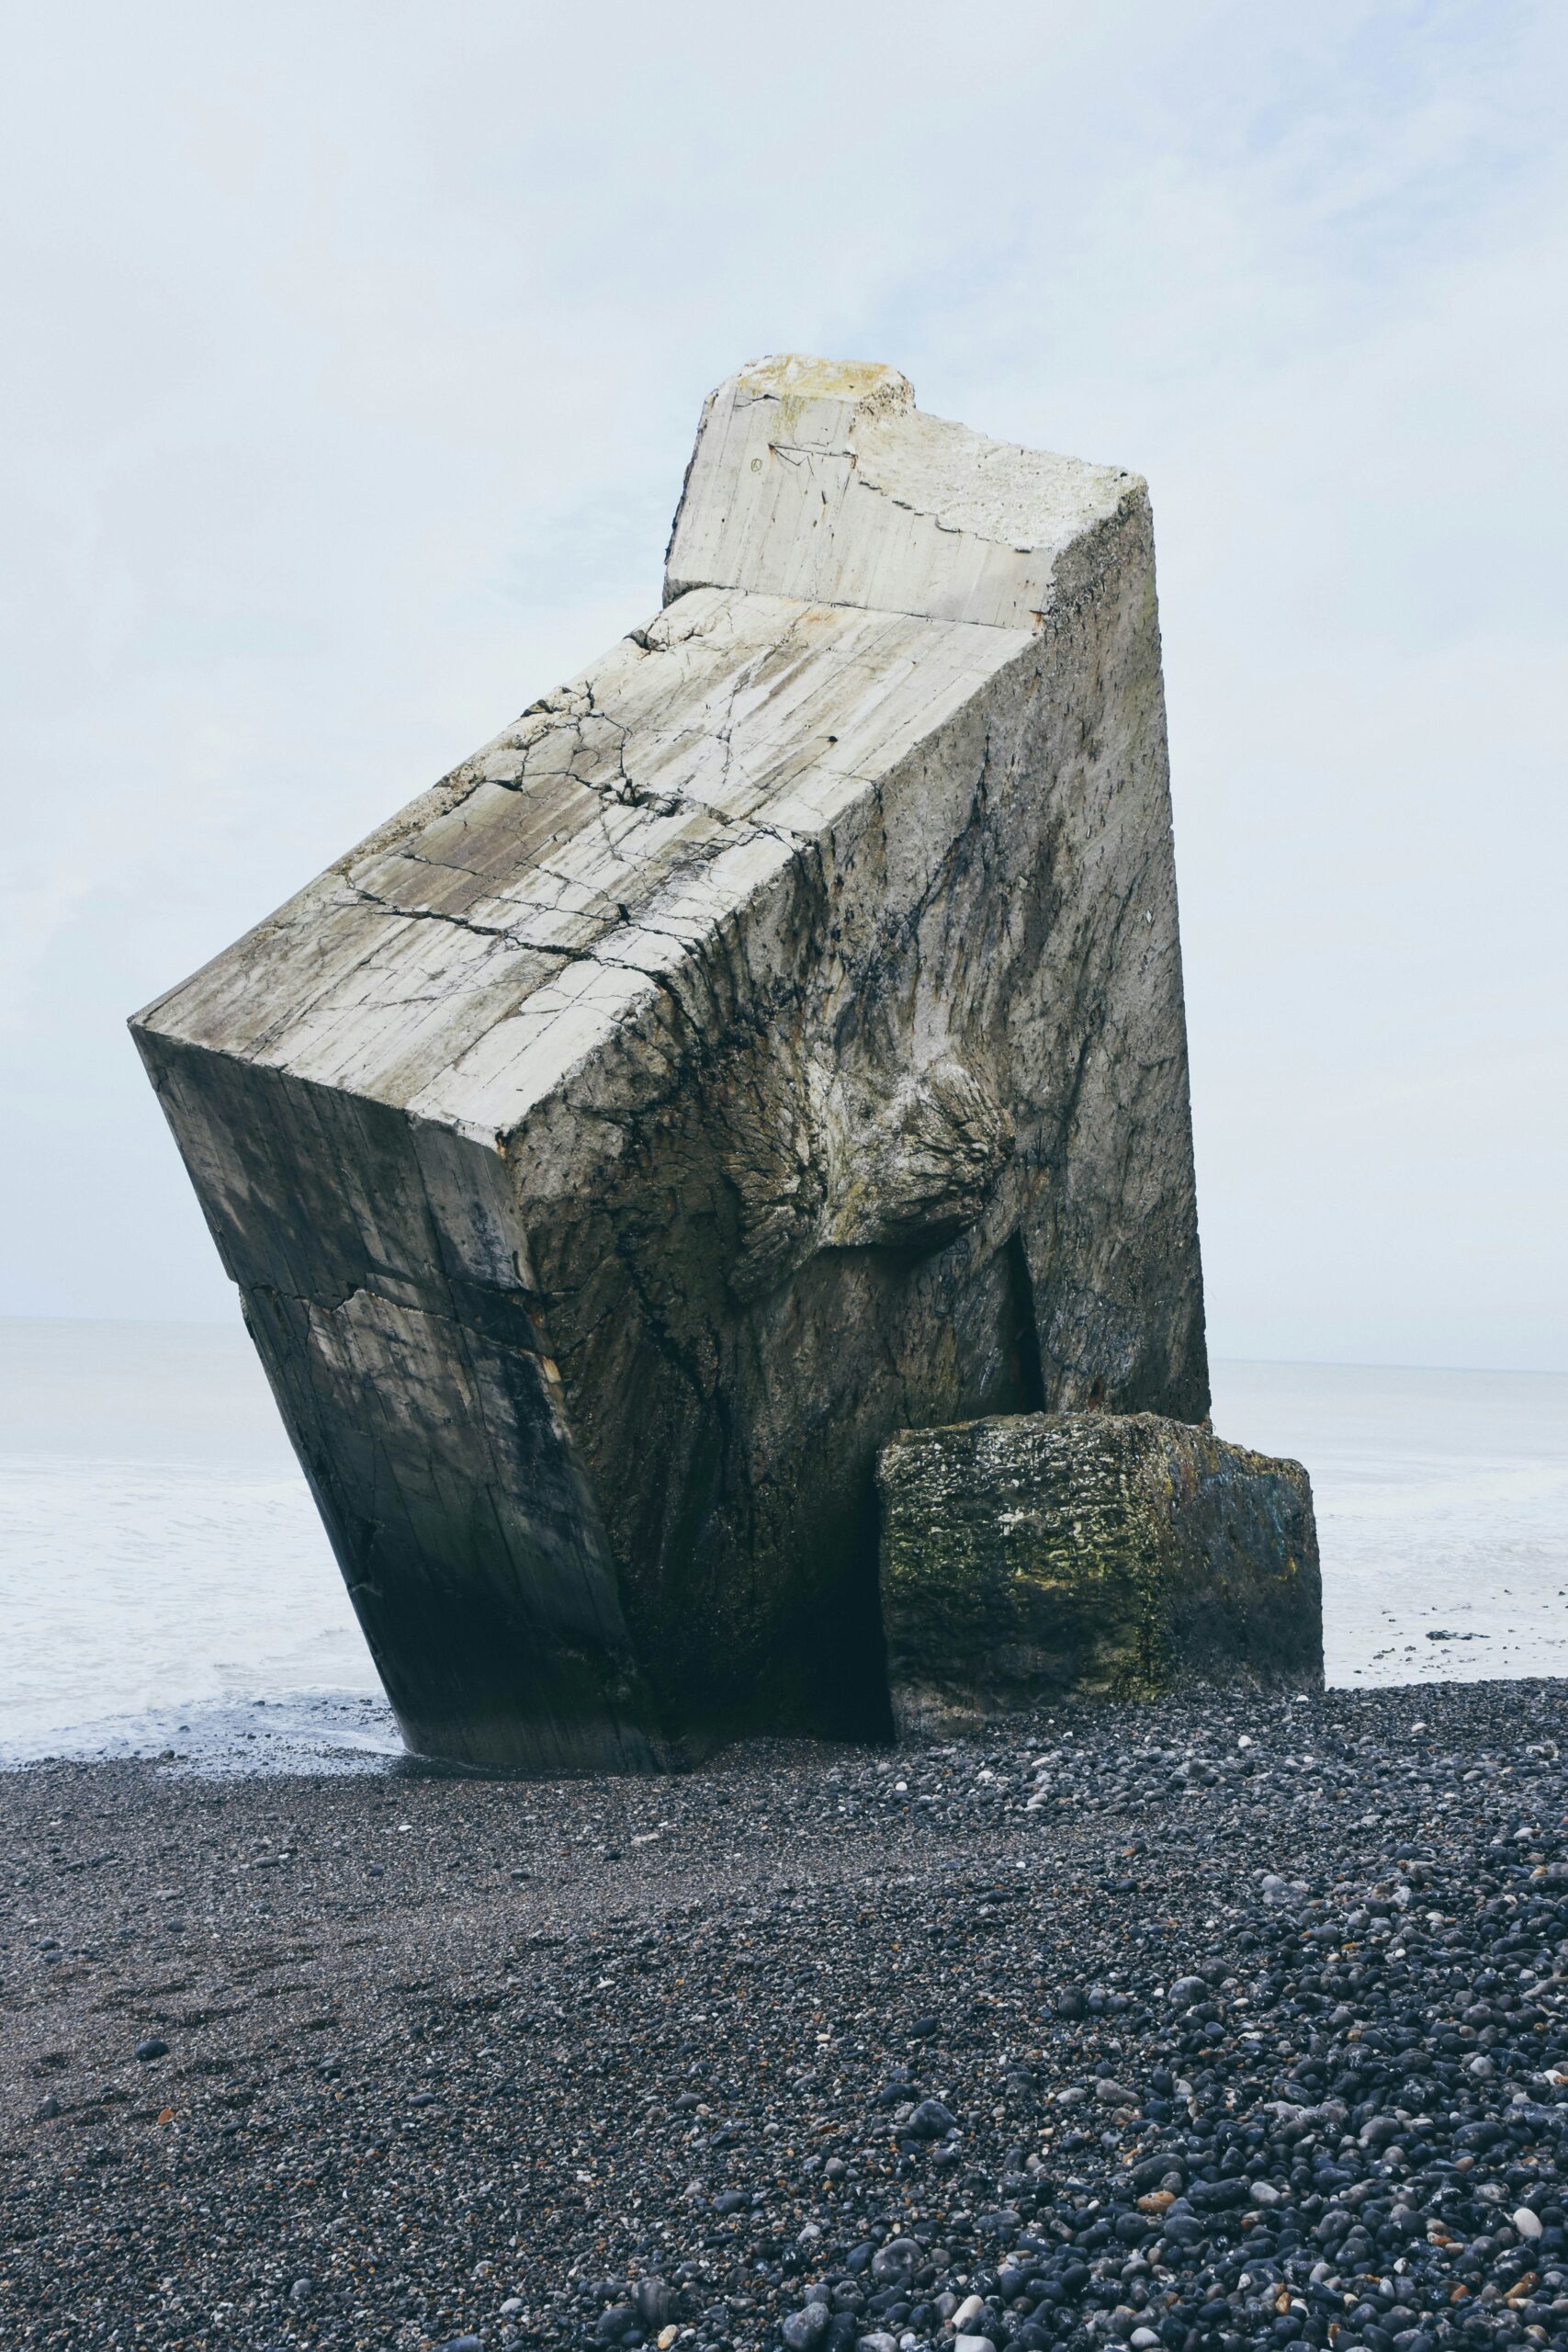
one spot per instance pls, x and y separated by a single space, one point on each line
795 374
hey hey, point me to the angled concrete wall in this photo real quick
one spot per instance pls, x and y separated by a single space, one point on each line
771 1041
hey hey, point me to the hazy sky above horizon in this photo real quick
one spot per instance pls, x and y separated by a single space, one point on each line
356 357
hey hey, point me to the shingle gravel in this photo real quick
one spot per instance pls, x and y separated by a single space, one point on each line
1211 2024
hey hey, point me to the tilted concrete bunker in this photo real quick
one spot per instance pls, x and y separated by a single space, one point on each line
772 1041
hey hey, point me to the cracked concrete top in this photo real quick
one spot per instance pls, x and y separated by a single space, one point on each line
844 576
820 479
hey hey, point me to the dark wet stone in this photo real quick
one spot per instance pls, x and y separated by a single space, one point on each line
898 2257
653 2302
930 2121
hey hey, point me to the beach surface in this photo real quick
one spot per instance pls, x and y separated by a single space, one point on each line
808 2047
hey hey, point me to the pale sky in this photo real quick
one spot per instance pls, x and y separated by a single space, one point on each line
354 354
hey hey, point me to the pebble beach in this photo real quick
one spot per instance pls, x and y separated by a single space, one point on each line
1221 2022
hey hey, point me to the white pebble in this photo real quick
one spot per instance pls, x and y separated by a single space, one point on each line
1526 2224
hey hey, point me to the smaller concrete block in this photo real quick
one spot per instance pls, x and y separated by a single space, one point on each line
1053 1555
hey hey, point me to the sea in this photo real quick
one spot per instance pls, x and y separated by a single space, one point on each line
166 1589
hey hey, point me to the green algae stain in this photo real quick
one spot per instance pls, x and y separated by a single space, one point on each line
1089 1555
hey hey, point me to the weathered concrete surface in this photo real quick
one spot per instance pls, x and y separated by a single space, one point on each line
1047 1556
772 1040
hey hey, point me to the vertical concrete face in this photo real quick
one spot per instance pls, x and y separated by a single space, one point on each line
772 1041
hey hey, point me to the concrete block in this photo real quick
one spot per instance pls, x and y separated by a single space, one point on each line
770 1039
1047 1556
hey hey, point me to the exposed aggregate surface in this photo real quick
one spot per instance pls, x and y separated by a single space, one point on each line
1215 2023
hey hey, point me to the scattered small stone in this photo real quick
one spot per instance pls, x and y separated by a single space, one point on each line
151 2048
